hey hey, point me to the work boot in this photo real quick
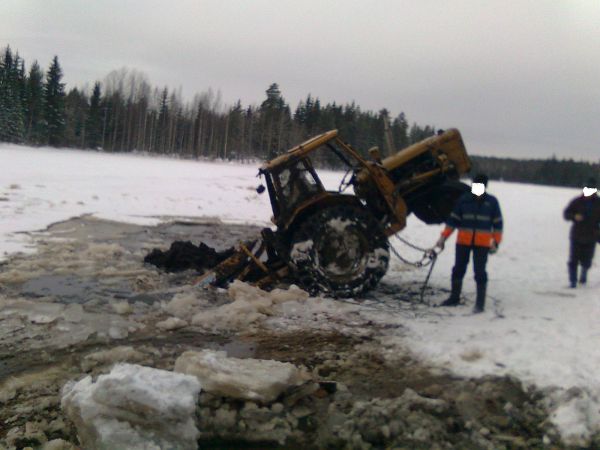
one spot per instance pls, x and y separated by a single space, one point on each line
480 302
573 275
583 276
454 298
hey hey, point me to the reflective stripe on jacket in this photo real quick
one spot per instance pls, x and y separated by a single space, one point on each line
478 219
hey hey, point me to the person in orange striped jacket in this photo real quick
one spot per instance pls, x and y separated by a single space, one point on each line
478 218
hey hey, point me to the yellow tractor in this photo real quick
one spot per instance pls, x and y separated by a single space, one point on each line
336 242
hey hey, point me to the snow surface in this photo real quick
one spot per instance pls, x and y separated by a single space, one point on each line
42 186
534 328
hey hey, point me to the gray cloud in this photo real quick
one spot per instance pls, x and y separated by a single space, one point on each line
518 78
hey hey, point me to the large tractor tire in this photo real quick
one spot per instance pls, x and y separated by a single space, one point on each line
340 251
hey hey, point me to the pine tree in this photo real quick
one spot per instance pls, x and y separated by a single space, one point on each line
5 63
54 106
35 124
21 83
76 110
417 133
234 127
11 107
93 137
274 100
275 119
400 131
163 122
313 115
300 114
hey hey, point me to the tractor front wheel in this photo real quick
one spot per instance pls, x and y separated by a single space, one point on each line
339 251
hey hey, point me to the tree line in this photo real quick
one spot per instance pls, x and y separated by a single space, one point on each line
126 113
551 171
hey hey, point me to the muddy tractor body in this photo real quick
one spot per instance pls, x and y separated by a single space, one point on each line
336 241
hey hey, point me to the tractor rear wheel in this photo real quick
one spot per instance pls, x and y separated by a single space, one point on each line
339 251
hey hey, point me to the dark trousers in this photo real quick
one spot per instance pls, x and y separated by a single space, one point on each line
480 256
581 254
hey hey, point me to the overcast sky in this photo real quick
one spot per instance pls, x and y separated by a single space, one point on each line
519 78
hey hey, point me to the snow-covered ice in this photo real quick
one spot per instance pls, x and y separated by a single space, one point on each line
245 379
134 407
534 327
250 305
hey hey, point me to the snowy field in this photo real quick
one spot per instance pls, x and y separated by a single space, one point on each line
534 327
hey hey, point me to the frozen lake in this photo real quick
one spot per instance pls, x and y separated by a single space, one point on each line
534 328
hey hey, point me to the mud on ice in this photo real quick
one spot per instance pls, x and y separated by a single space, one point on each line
85 301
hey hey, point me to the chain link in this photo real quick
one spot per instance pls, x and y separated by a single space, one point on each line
428 254
429 258
410 244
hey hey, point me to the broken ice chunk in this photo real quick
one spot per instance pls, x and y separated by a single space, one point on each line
134 407
247 379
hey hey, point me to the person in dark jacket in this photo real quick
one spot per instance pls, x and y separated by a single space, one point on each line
584 211
478 218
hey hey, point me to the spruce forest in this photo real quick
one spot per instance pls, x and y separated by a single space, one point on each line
125 113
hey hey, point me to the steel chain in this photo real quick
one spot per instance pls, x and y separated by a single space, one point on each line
429 258
428 254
